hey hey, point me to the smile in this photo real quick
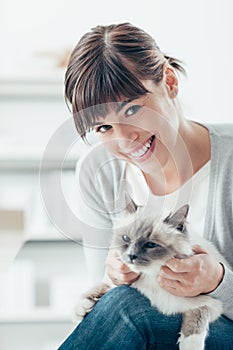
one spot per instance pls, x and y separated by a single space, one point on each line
144 149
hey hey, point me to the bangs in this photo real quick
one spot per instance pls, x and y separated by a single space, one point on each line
109 83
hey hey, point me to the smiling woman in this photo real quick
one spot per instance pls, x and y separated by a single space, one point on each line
122 86
111 67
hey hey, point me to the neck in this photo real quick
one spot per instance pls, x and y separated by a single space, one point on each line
191 153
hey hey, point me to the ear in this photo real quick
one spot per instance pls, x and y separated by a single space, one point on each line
178 219
171 81
131 206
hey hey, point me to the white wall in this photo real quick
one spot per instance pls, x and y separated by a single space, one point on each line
199 32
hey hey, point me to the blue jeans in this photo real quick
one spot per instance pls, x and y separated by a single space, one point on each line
124 319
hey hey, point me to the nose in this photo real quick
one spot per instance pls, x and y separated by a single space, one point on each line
126 135
132 257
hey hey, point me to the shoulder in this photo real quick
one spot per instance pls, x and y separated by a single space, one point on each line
223 131
221 138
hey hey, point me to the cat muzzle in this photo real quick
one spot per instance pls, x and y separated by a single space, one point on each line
132 257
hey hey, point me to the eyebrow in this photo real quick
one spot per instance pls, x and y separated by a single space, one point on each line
122 105
119 108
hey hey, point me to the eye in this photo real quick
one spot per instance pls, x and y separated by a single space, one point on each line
132 110
126 238
180 227
103 128
150 245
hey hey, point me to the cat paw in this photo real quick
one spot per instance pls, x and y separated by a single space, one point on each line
82 309
194 342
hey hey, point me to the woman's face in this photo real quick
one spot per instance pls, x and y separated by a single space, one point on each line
143 131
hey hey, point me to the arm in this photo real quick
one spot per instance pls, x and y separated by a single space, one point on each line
101 184
93 222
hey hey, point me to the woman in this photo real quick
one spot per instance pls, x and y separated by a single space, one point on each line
125 89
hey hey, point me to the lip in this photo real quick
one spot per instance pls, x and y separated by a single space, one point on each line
139 146
147 154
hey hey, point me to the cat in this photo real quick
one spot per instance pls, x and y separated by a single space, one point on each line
145 245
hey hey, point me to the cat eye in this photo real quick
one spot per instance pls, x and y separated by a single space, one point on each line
126 239
180 227
150 245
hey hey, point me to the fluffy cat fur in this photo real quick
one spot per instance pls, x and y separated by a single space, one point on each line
145 245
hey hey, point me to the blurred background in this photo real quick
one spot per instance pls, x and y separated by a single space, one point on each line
39 288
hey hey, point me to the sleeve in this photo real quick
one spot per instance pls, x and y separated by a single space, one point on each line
222 215
224 292
100 177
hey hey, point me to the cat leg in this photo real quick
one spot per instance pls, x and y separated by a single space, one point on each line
194 329
88 301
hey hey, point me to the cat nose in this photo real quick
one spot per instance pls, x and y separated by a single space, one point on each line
132 257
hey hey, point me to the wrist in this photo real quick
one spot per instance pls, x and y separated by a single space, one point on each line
219 277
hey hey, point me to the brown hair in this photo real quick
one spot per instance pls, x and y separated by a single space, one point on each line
107 66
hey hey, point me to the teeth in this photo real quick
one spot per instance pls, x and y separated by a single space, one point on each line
143 150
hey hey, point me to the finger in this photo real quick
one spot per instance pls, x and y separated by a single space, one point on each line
186 265
134 278
197 249
127 278
179 265
119 264
124 268
167 273
131 277
116 263
171 286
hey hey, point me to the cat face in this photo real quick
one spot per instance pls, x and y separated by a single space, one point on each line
146 242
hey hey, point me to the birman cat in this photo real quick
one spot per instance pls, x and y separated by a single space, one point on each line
145 244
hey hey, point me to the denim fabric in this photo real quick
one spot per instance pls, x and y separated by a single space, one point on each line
123 319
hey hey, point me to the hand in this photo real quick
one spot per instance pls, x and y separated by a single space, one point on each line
200 273
117 271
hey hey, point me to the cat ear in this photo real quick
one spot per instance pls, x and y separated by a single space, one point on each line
131 206
178 219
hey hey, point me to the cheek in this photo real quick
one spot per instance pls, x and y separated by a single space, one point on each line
159 253
164 119
109 144
161 157
166 141
113 147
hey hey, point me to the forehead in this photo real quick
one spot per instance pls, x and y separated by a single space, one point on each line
142 227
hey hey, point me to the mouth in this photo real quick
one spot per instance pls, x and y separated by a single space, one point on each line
138 264
144 151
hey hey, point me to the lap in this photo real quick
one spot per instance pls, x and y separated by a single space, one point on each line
124 318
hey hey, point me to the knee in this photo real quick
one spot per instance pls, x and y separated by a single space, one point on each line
122 299
124 296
